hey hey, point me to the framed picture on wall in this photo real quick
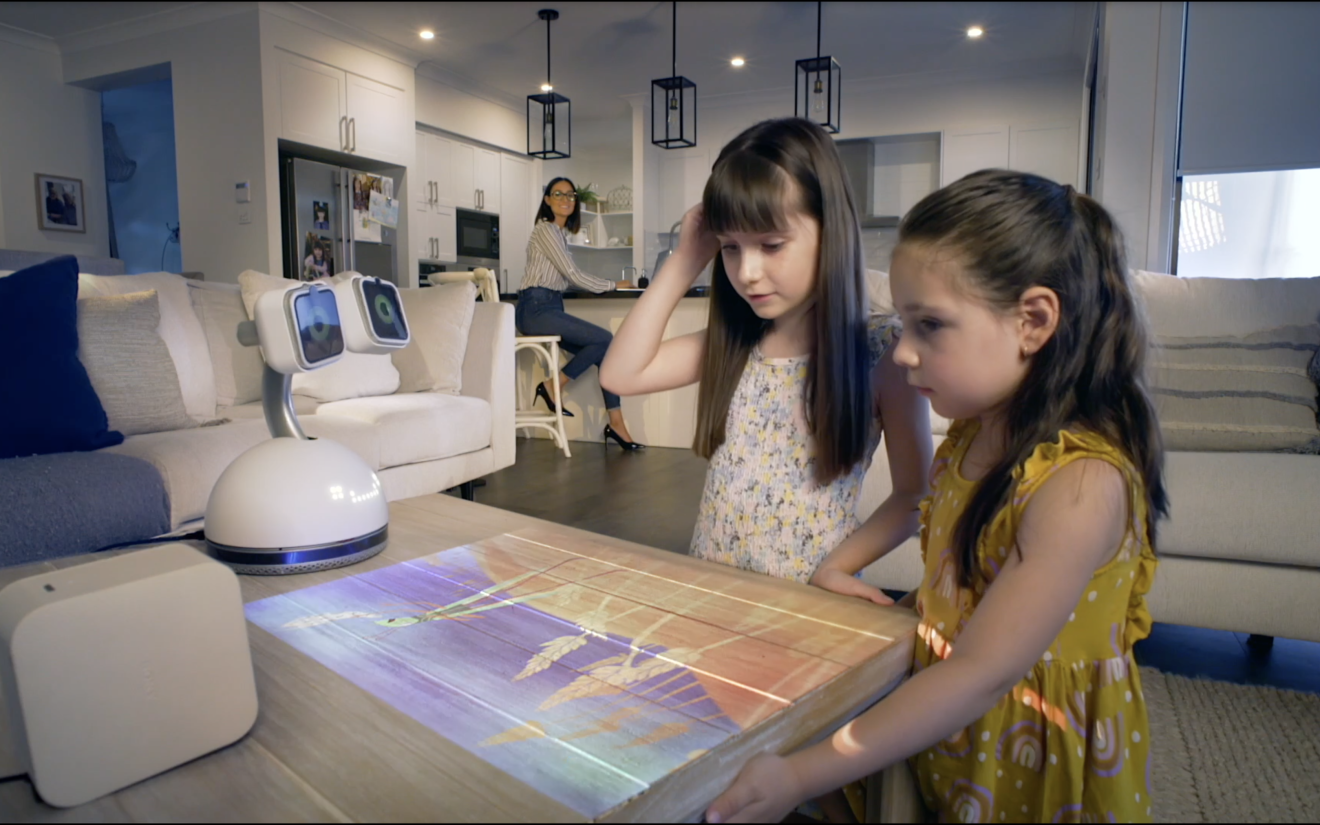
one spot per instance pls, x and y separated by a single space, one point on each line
60 204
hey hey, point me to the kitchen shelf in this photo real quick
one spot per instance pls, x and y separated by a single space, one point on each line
603 214
599 248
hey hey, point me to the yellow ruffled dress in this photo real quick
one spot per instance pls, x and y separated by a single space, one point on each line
1070 742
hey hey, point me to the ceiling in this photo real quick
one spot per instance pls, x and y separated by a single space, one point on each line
602 51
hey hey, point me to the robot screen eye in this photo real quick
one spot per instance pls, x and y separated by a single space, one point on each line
382 301
319 331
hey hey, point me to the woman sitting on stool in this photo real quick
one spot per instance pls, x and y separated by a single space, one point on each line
540 311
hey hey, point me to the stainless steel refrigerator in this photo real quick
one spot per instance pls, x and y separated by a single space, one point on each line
326 230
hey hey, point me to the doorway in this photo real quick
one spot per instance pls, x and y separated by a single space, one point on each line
142 181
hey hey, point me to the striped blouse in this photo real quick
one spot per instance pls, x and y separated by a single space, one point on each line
550 265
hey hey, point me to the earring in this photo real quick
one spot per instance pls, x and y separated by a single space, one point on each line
1026 351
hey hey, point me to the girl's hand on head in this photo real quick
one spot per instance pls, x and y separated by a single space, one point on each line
765 791
695 241
837 581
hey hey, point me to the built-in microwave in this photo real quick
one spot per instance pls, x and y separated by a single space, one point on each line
478 234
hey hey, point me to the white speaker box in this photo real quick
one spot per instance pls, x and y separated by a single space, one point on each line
118 669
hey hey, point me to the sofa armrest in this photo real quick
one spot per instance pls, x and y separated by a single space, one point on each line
488 372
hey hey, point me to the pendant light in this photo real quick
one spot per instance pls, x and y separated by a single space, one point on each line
676 112
818 87
549 115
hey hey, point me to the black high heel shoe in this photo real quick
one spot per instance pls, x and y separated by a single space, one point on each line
542 394
622 442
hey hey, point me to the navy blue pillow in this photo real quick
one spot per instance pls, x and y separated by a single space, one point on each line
47 403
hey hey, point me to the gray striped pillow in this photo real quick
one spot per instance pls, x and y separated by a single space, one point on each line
1249 394
130 366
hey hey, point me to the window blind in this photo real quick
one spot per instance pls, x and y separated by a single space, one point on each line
1251 88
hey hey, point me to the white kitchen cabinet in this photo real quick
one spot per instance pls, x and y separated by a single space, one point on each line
312 102
970 150
516 202
454 173
487 180
435 234
432 171
377 122
463 176
322 105
421 185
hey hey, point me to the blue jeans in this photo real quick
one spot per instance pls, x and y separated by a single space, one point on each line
540 311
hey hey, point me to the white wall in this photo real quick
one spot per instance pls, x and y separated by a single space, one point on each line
602 156
50 128
1136 122
215 66
870 109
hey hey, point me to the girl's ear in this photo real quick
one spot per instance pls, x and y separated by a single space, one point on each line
1038 318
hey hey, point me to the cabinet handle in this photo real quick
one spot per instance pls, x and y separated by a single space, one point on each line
430 187
343 133
352 125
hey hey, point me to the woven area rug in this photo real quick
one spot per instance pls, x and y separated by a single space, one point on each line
1232 753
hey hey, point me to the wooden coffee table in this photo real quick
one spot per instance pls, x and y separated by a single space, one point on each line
491 666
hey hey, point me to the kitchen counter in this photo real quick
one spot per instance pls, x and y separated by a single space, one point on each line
622 295
663 419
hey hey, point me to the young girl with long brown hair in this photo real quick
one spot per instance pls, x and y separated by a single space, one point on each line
1038 539
795 379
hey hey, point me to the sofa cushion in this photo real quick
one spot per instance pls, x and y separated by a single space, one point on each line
1230 393
1186 307
440 319
355 434
302 405
128 363
68 503
49 404
237 368
179 327
1243 507
419 426
354 375
190 461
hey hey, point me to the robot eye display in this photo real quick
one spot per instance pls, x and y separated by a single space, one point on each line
383 309
316 315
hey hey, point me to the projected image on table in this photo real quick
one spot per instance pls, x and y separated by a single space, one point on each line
582 678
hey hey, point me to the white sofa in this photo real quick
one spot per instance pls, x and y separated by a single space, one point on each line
417 442
1241 549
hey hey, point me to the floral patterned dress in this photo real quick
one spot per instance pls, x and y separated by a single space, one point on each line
761 508
1071 741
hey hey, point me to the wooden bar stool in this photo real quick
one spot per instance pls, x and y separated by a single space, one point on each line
546 348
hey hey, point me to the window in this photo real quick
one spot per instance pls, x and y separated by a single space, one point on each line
1250 225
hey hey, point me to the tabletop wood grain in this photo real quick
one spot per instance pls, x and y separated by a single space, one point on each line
490 666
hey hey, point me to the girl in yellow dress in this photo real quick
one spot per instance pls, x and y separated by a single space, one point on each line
1038 537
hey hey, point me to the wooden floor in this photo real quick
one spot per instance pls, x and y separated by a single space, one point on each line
651 497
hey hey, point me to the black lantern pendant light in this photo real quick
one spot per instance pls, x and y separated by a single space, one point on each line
818 87
676 112
549 116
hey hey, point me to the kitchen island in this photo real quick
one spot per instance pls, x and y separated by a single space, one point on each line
666 419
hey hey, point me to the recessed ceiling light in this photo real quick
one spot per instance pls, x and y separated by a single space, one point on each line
737 61
546 87
975 32
427 34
